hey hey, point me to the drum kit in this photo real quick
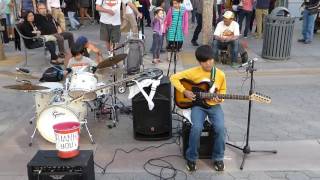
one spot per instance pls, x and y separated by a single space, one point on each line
56 102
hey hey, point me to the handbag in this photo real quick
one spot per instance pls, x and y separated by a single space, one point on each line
187 4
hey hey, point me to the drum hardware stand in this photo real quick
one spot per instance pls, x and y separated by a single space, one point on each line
246 149
34 131
85 122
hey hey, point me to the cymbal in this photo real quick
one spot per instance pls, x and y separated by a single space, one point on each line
111 61
18 75
26 87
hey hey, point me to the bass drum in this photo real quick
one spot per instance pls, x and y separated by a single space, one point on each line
52 116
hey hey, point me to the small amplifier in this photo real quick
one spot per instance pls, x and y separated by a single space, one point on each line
206 139
46 165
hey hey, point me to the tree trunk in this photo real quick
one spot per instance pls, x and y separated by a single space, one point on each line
207 14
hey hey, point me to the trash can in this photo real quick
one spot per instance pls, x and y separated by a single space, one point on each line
278 32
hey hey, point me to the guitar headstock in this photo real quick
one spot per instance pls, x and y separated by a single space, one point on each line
261 98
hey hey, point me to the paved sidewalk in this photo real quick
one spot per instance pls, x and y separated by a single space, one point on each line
290 124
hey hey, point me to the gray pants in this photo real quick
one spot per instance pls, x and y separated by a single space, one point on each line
60 40
156 45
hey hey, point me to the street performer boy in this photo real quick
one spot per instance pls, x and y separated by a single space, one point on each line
205 72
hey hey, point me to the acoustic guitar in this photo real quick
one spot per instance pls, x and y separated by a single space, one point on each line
201 90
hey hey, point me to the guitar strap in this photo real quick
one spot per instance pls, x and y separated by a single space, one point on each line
212 76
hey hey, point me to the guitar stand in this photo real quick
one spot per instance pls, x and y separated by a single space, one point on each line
246 149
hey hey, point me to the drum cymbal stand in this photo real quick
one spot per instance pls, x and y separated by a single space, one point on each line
116 103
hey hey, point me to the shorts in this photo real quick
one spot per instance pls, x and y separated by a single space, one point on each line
110 33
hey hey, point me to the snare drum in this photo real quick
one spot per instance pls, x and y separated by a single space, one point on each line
82 82
43 98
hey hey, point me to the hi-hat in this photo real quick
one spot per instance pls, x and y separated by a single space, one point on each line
111 61
26 87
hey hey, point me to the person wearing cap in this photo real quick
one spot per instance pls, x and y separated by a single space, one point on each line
227 33
88 47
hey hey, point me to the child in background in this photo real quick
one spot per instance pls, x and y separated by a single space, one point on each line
158 30
176 25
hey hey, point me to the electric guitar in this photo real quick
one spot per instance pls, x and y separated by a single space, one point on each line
201 90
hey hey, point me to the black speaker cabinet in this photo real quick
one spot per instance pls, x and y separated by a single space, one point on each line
157 123
46 165
206 139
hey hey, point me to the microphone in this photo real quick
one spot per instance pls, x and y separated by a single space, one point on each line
248 62
24 70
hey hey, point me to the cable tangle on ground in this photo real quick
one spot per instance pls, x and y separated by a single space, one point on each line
167 169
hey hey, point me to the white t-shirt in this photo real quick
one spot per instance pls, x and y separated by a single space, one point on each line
129 10
81 65
113 5
221 28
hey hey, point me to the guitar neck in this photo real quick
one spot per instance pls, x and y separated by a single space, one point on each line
223 96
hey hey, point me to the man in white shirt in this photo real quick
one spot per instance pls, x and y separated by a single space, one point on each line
54 9
110 20
227 34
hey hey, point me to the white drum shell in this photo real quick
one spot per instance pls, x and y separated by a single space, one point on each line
43 97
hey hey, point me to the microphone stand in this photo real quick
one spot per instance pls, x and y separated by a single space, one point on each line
246 149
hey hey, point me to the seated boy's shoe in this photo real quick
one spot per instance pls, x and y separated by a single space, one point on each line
191 166
218 165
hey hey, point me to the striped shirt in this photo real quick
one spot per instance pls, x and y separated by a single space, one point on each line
177 18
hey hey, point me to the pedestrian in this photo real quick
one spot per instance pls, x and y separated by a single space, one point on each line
84 5
158 30
199 9
176 25
54 8
311 8
71 7
245 12
262 9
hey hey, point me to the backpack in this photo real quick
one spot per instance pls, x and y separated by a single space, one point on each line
52 74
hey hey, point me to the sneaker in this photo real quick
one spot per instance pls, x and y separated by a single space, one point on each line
191 166
301 40
218 165
194 43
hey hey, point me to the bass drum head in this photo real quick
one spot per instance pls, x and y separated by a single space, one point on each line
51 116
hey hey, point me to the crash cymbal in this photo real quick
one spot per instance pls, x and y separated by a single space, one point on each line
18 75
26 87
111 61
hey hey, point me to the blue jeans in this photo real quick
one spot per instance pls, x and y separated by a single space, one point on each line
308 25
73 22
245 14
234 47
216 117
